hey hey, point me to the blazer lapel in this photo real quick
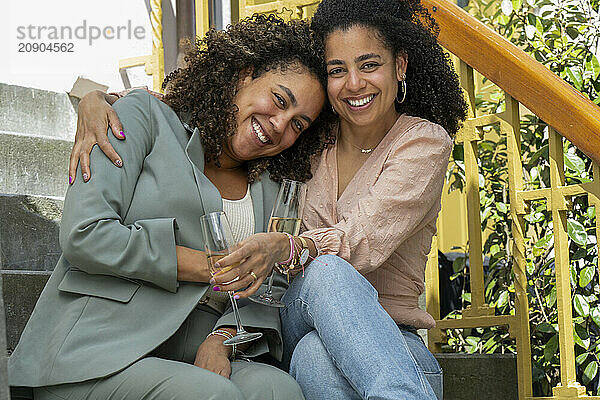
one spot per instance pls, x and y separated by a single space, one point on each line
209 194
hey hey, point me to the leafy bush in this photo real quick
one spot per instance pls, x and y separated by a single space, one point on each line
564 35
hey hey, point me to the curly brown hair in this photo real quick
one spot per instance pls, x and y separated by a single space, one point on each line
405 27
205 88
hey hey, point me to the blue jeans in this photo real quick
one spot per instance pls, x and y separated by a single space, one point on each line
340 343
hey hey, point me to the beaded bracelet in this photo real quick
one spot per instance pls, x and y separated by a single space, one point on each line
283 267
292 245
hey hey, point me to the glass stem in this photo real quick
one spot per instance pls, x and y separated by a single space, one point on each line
236 314
270 285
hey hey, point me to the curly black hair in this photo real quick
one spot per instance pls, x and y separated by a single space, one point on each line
405 27
204 89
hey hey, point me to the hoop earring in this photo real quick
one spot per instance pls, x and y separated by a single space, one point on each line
403 93
333 109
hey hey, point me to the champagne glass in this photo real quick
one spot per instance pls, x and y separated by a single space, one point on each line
219 242
285 217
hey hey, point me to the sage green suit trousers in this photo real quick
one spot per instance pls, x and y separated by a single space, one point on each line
168 373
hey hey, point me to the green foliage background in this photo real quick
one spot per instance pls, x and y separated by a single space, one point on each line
564 36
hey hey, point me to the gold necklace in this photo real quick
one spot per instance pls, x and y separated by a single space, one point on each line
364 151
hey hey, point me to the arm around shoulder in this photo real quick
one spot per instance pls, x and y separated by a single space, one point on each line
92 233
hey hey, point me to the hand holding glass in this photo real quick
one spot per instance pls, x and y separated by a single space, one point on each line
285 217
219 242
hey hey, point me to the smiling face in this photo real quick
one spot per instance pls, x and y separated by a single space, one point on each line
363 77
274 109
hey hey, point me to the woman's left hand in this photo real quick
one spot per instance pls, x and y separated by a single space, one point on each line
252 262
213 355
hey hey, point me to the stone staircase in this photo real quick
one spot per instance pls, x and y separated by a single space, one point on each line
36 132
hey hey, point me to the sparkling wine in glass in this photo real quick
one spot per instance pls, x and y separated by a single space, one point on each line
219 242
285 217
288 225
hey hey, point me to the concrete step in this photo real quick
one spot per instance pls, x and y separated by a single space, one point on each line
29 232
479 376
37 112
20 290
33 164
4 391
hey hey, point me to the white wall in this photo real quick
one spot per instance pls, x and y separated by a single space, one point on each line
57 71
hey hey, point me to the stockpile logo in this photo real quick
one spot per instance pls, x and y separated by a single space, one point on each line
49 38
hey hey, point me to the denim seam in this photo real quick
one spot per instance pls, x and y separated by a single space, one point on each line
305 304
433 372
362 395
416 366
292 303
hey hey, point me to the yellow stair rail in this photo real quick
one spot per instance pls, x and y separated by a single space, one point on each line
202 22
517 73
154 64
287 9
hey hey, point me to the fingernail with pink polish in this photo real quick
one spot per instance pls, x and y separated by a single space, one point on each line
122 134
237 297
70 180
85 177
216 289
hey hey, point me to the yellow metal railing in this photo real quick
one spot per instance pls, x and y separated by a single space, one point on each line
514 71
154 64
202 20
288 9
479 314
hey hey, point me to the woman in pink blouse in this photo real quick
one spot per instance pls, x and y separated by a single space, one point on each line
350 326
350 320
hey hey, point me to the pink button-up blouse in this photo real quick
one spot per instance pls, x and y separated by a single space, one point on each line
385 219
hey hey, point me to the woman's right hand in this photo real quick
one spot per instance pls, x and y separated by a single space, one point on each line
251 263
94 115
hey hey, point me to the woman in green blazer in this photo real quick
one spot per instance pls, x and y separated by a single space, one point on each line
125 314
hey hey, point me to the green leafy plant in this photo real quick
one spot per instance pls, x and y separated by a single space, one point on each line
564 35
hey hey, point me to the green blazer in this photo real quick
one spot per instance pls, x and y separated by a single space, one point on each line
114 296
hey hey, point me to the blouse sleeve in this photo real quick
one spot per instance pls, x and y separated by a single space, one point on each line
393 208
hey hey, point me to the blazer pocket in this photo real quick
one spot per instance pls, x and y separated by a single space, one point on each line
103 286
